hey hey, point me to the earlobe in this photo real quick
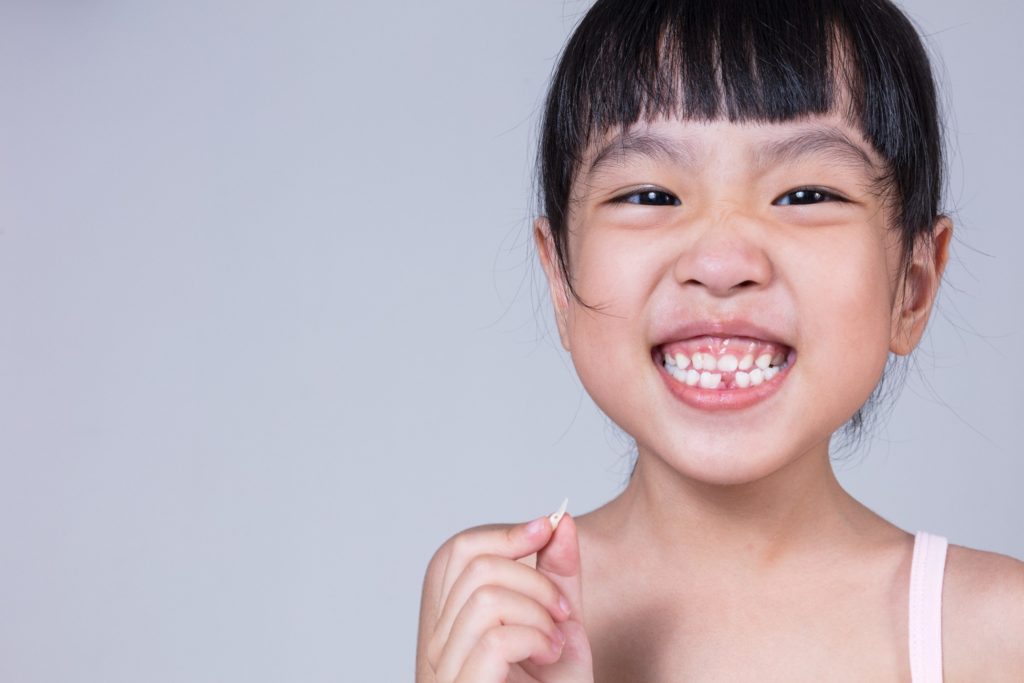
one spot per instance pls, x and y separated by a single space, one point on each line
921 286
553 271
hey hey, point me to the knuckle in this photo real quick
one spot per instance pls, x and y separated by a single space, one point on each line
485 598
481 567
492 641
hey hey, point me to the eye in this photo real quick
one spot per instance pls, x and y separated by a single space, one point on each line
650 198
805 196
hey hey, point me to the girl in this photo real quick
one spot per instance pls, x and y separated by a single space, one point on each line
740 224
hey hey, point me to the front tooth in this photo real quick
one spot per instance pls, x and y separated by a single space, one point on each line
770 372
728 363
742 380
709 362
698 361
756 376
710 380
692 377
747 362
763 361
682 360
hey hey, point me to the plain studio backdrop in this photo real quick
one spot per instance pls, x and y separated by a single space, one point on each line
271 328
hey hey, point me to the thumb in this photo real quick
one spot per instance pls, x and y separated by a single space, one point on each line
559 560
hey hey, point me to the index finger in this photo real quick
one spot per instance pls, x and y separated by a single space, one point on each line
512 541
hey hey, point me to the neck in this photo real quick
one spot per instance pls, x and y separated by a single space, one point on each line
795 513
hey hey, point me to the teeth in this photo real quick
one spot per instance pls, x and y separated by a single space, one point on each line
710 380
728 363
730 371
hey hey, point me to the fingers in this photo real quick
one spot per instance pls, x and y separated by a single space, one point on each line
490 570
512 542
491 659
490 608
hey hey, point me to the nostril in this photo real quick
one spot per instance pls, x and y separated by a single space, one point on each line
746 283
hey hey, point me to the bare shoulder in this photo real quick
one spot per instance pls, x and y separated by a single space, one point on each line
983 616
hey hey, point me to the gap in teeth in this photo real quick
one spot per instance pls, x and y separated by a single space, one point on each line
713 363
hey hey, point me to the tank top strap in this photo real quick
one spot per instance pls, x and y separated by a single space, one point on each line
925 622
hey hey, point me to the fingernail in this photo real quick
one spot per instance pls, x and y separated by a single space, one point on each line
558 641
564 604
537 525
557 516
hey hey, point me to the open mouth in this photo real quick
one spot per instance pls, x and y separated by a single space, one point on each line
725 363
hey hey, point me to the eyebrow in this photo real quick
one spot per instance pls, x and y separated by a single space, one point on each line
823 141
826 141
644 144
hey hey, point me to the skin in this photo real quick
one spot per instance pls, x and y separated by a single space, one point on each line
733 553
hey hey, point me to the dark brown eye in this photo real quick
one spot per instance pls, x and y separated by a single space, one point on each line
806 195
651 198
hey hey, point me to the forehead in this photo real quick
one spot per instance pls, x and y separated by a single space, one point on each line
688 145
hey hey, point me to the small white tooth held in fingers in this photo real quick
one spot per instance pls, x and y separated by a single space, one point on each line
557 517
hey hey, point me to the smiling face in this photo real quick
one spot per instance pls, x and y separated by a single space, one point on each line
739 288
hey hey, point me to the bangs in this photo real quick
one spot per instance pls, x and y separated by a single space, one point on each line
746 61
742 61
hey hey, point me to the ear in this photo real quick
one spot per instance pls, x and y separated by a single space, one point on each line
556 280
914 303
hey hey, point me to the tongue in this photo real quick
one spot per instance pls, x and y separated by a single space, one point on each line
737 347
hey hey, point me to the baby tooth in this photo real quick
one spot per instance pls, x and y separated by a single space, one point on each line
710 380
698 361
769 373
742 380
669 360
710 362
682 360
692 377
763 361
747 362
756 376
779 359
678 373
728 363
556 517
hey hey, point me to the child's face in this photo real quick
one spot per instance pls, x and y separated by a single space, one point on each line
735 242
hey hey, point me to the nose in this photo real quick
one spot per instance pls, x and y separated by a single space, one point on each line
726 258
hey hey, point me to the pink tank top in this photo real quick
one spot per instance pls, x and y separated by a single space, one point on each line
925 624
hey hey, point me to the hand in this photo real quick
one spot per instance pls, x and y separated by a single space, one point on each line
501 620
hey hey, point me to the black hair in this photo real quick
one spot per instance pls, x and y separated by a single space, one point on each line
747 61
762 61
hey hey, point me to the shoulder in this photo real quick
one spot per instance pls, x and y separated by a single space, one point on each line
983 615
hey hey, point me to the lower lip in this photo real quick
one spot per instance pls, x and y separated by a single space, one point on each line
723 399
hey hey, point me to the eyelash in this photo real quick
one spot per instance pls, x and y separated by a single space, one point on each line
656 197
662 198
816 194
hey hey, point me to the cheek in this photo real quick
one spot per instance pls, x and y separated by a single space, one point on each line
615 279
846 314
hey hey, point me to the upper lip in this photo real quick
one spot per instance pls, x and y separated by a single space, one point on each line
707 327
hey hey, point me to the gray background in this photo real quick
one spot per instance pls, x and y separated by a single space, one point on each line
270 331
